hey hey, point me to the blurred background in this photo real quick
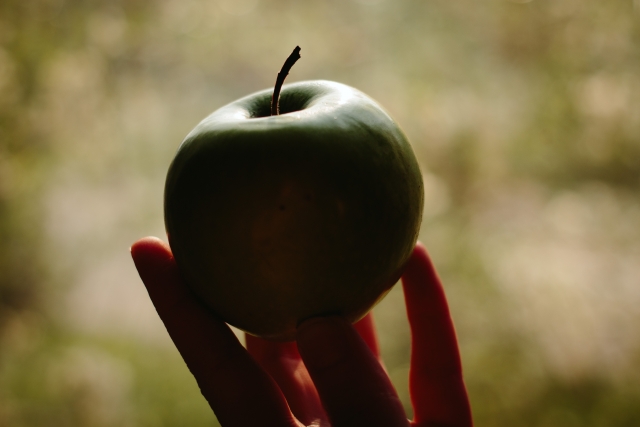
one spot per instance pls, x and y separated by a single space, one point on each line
525 117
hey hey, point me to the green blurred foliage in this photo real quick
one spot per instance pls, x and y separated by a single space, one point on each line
525 117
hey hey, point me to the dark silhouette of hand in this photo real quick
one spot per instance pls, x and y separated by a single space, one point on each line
331 376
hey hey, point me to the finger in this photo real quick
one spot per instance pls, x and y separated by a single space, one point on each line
367 330
353 387
282 361
237 389
437 388
265 350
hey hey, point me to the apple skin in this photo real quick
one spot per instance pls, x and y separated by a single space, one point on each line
275 219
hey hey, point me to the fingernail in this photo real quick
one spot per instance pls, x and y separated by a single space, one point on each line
323 341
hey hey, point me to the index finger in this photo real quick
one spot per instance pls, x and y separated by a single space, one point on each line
237 389
438 393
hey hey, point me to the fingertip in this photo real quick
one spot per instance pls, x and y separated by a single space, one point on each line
420 250
420 274
150 249
419 256
156 266
147 244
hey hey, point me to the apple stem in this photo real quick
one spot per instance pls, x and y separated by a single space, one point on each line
275 99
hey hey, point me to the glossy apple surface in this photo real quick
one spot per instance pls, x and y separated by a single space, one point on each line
274 219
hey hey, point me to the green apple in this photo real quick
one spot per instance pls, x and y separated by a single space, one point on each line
275 219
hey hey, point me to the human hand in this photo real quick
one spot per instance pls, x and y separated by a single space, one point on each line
331 376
